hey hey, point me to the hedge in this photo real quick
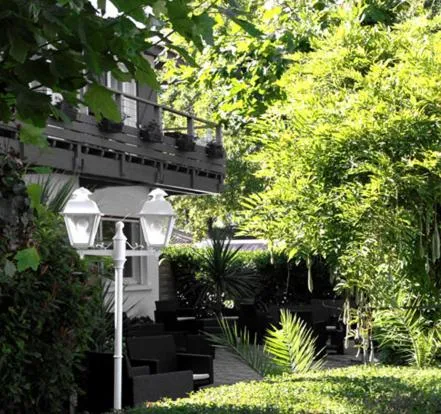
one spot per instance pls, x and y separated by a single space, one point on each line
272 269
376 390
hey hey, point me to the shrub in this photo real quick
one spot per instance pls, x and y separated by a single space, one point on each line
46 311
45 325
15 212
411 336
374 390
273 270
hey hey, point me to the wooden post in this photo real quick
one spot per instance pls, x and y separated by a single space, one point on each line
190 126
118 100
218 134
157 110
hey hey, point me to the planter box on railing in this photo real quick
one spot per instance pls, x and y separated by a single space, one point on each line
184 142
214 150
68 109
106 125
151 132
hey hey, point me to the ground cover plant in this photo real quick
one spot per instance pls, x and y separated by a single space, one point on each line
355 390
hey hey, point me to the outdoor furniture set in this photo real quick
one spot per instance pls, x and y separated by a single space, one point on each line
152 369
158 363
323 317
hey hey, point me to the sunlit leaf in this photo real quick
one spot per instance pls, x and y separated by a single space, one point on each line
27 258
100 101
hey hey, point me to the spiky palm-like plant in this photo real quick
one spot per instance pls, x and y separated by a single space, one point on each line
409 334
221 277
292 345
288 348
49 192
244 347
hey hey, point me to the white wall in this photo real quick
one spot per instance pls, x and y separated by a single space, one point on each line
127 202
56 180
124 202
140 298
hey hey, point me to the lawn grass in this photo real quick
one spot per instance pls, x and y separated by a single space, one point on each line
348 390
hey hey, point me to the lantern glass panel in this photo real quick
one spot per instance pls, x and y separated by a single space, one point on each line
81 229
156 229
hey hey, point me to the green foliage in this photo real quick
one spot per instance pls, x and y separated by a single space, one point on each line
99 100
16 217
355 390
244 347
280 281
220 276
27 258
66 45
289 347
47 303
46 313
50 193
237 79
351 163
409 335
103 324
200 272
234 81
292 345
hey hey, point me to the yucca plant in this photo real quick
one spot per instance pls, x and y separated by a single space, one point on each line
104 330
292 345
49 192
221 277
104 324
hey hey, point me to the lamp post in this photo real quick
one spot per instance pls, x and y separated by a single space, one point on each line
82 217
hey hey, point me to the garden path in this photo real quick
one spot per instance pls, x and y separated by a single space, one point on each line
228 369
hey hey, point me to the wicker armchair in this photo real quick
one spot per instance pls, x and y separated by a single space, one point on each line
139 384
160 352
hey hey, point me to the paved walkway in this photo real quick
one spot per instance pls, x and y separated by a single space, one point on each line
340 361
228 369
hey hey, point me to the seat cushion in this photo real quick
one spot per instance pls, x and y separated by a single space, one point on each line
200 377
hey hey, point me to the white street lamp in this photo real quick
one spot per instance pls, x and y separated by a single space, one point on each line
157 219
82 217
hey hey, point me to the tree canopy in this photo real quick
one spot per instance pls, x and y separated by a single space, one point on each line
64 45
237 80
345 152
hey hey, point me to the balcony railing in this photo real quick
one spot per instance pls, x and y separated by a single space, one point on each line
82 148
158 109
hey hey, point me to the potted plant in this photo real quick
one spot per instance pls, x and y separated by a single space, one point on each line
214 150
67 108
184 142
106 125
151 132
